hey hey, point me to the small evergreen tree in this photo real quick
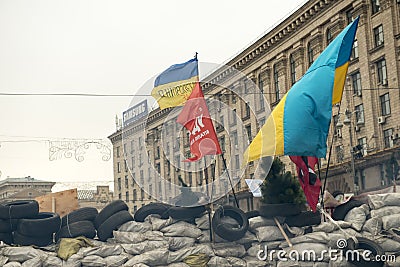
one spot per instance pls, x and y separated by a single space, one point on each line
281 187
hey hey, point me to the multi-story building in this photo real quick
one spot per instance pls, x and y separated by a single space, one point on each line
98 198
364 133
12 189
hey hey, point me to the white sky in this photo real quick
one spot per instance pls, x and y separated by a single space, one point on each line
102 47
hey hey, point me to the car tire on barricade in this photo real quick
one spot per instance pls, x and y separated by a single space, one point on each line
8 225
82 214
25 240
183 213
153 208
81 228
106 229
43 224
280 209
252 214
110 209
226 230
6 237
365 244
340 212
19 209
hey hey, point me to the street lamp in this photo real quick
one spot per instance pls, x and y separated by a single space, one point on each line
347 122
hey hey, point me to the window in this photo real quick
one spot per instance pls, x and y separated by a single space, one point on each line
126 181
356 83
127 196
235 138
378 36
134 208
119 167
362 142
248 131
125 152
158 152
387 137
376 7
150 190
119 196
385 104
134 195
310 55
132 147
141 178
247 111
125 165
190 179
233 121
292 69
133 162
141 194
140 160
119 183
359 114
276 83
339 153
354 50
222 143
382 74
233 99
237 163
140 142
329 36
261 87
118 152
133 179
349 16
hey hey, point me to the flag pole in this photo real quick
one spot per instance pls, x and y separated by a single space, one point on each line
229 178
208 195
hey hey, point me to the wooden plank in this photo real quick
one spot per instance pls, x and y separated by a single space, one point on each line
60 202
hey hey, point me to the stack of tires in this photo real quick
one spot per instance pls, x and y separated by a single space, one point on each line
79 222
110 218
21 223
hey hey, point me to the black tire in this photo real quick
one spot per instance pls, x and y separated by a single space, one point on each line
9 225
305 218
44 224
281 209
337 193
252 214
226 231
339 213
82 214
182 213
24 240
152 208
19 209
81 228
6 238
112 208
365 244
106 229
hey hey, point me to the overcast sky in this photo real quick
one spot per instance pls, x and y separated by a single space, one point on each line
102 47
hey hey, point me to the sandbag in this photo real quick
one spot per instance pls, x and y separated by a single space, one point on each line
329 226
145 246
70 246
203 223
303 248
180 255
3 260
217 261
73 261
52 261
268 233
236 262
357 216
139 227
205 237
115 261
181 228
34 262
314 237
259 221
194 260
157 223
103 251
381 200
229 250
132 237
256 247
254 262
390 221
249 237
178 242
384 211
152 258
93 261
373 225
13 264
395 263
387 244
21 254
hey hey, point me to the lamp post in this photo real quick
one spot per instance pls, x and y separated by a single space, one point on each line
347 122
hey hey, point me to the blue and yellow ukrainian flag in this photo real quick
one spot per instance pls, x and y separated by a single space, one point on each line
299 124
174 85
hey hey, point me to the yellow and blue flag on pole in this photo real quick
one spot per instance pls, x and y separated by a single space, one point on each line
299 124
174 85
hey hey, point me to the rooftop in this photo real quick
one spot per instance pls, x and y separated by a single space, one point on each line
27 179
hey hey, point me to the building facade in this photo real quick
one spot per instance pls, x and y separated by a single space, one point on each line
364 135
98 198
12 189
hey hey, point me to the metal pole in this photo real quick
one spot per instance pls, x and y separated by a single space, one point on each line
230 180
353 168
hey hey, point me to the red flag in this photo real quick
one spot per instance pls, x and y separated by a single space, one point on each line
308 179
196 119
